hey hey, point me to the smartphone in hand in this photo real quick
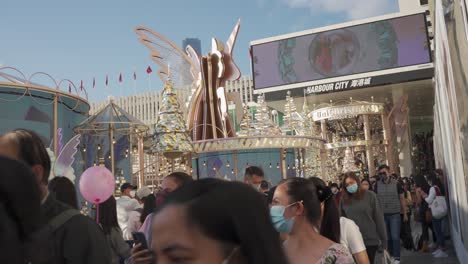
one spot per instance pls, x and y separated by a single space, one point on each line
140 238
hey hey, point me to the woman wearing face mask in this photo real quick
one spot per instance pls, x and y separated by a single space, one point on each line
296 211
348 233
202 223
364 209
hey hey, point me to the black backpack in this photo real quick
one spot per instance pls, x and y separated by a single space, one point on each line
40 248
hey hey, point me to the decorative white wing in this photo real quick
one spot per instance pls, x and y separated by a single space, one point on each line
184 67
63 163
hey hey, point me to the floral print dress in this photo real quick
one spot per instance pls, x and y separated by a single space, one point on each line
336 254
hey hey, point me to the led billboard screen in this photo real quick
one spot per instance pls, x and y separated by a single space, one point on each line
374 46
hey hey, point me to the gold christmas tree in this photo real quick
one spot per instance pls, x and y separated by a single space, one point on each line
263 123
170 134
247 125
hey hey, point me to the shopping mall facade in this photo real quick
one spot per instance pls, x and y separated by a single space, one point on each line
385 90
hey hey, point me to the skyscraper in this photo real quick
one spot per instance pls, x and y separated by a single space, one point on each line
194 42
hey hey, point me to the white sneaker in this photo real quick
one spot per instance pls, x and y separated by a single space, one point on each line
396 262
441 254
435 252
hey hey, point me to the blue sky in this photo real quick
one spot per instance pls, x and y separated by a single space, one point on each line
83 39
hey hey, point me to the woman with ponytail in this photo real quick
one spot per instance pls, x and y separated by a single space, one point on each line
297 211
339 229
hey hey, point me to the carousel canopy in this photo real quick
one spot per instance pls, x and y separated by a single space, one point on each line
111 117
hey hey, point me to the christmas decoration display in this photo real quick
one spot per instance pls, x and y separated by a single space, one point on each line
349 161
263 122
247 127
170 135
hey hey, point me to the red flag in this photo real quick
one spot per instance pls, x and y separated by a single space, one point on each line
69 87
120 78
134 76
94 82
107 79
81 85
148 70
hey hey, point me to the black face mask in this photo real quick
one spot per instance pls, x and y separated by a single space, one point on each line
383 176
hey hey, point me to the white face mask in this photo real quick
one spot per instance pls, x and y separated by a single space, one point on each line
132 194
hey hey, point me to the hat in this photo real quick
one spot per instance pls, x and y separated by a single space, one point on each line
143 192
127 186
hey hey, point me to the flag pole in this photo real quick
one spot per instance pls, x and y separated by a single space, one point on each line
134 80
149 82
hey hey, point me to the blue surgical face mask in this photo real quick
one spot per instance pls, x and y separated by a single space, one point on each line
281 224
353 188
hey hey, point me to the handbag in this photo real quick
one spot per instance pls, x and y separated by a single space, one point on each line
439 205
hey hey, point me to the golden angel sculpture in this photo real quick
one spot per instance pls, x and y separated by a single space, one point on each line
207 115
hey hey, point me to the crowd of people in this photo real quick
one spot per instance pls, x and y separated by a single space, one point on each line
300 220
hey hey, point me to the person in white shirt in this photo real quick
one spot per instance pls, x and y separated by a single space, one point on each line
436 223
125 204
134 223
351 238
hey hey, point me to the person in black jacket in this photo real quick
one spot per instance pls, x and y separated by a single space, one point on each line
75 238
18 191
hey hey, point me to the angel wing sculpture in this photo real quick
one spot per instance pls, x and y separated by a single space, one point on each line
62 166
208 116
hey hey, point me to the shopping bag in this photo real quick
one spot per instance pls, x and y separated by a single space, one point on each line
439 207
386 258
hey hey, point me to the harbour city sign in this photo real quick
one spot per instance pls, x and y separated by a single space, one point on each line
337 86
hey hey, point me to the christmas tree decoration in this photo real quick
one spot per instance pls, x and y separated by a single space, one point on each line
294 122
349 162
263 123
170 135
247 126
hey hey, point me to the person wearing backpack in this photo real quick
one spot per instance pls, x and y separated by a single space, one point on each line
74 238
18 190
437 220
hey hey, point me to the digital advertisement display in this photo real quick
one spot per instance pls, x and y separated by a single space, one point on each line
374 46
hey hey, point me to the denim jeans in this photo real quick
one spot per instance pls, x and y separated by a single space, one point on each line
439 232
393 223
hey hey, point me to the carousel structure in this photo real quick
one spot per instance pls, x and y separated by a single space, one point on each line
108 138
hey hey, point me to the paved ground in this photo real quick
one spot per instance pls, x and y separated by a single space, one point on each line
409 257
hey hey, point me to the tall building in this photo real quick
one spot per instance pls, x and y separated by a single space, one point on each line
244 86
194 42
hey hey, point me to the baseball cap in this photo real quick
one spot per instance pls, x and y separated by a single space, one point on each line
127 186
143 192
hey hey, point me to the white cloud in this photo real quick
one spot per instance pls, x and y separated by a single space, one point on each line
353 9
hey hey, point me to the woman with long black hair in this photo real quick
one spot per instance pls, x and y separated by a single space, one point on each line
110 226
349 234
212 221
297 211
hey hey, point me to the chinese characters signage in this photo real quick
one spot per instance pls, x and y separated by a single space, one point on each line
337 86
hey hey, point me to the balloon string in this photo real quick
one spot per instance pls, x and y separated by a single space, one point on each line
97 213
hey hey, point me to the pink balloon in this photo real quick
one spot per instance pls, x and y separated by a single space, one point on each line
97 184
